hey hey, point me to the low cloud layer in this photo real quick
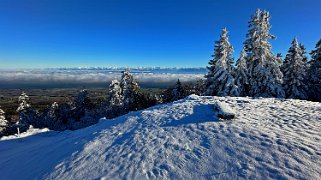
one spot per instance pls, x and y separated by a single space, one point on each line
13 78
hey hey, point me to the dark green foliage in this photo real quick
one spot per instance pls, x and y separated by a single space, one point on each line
185 90
314 73
294 71
178 91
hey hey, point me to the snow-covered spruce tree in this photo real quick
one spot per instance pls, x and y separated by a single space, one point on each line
294 71
130 91
115 97
315 73
82 111
65 117
178 91
220 81
114 101
3 123
304 52
27 115
53 110
242 74
23 102
265 76
50 116
82 101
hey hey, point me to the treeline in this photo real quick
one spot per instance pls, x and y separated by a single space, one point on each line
122 97
258 72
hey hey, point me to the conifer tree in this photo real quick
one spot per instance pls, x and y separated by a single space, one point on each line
53 108
23 102
241 74
220 81
178 91
315 73
50 116
82 104
64 116
303 52
130 91
294 70
27 115
265 76
82 100
3 123
115 97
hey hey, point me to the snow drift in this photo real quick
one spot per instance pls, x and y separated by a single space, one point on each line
269 138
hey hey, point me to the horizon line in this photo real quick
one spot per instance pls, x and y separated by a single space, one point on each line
104 67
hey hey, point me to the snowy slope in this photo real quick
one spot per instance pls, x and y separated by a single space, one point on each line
269 138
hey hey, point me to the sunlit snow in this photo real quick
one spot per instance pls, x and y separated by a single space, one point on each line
268 138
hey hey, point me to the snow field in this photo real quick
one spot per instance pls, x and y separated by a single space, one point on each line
268 139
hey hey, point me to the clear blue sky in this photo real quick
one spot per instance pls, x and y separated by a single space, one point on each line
171 33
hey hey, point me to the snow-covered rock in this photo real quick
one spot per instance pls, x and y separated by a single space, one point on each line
224 110
268 139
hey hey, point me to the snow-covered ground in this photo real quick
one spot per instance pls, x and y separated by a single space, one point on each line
269 138
29 132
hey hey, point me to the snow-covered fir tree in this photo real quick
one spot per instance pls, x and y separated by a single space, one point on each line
82 104
23 102
304 52
50 116
130 90
53 108
82 100
115 97
178 91
294 71
64 117
27 115
220 81
3 123
265 76
315 73
242 75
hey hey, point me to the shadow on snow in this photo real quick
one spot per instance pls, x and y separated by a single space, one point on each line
201 114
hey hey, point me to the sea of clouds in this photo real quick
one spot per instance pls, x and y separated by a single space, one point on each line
45 78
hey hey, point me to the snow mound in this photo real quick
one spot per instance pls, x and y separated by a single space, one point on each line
225 111
269 138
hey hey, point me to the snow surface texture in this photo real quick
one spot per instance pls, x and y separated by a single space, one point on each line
269 138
